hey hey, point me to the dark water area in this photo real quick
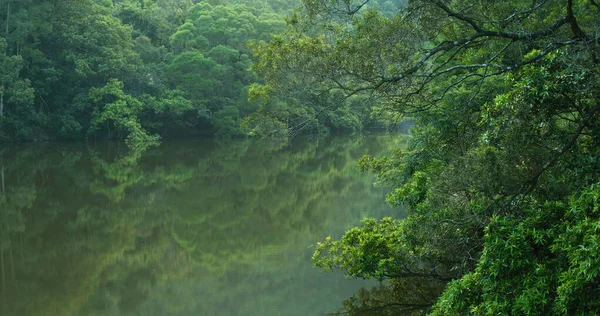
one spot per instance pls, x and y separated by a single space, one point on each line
192 227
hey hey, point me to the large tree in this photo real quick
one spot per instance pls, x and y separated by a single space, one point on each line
505 152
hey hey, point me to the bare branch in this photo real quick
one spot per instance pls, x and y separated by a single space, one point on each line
519 13
566 147
475 24
577 31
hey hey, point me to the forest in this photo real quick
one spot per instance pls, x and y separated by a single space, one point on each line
500 179
140 70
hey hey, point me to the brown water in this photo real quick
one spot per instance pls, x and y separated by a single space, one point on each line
193 227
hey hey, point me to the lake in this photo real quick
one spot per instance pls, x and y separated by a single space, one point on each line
192 227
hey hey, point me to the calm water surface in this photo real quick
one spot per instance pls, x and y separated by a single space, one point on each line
193 227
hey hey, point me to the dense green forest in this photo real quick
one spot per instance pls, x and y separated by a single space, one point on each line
127 69
137 69
501 179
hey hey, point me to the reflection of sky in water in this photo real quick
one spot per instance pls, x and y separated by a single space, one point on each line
189 228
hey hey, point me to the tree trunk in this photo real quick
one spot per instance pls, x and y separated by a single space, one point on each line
7 18
5 54
2 266
3 189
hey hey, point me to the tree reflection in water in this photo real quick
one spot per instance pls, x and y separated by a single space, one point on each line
406 296
188 228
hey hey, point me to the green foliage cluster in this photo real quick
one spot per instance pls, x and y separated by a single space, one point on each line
173 67
545 261
501 174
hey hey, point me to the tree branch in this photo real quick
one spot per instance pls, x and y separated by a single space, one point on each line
566 147
516 14
399 307
577 31
475 24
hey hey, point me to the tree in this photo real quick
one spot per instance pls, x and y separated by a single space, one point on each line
16 94
440 46
113 108
505 100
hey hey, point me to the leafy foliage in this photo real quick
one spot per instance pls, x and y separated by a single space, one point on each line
505 100
119 110
543 261
185 61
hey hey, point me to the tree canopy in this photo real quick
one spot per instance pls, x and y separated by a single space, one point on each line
183 65
501 176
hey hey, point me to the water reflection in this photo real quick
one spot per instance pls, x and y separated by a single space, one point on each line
407 296
189 228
